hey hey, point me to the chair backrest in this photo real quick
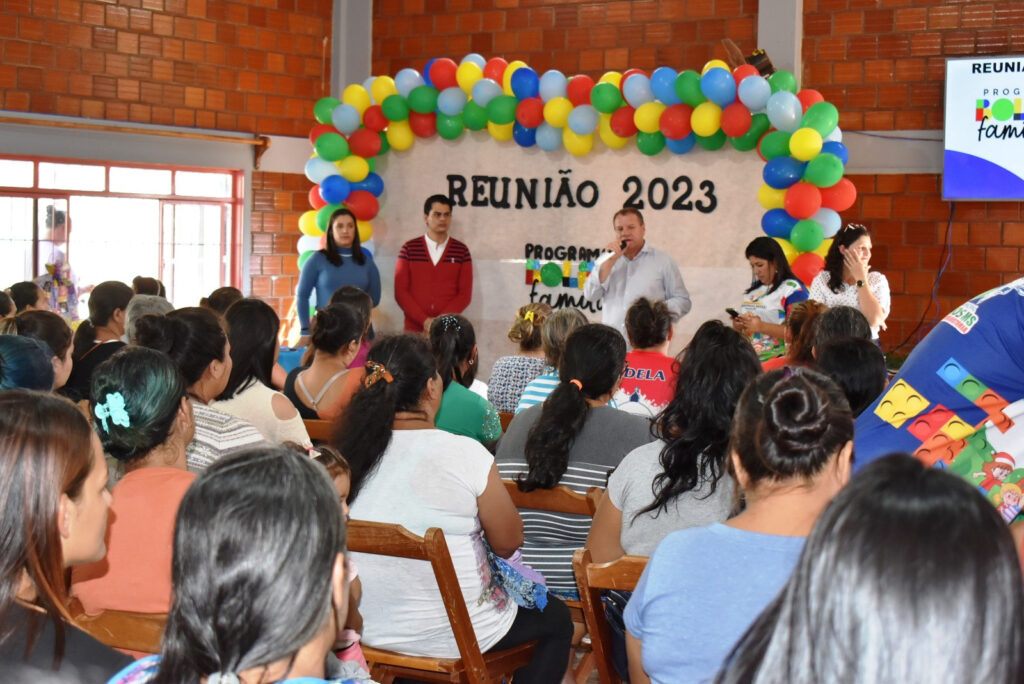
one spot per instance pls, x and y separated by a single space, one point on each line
121 629
505 418
561 499
592 579
319 430
386 539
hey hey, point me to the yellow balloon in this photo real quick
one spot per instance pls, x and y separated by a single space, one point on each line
715 63
805 144
467 74
399 135
382 87
647 115
500 131
556 111
506 79
613 77
365 229
356 96
307 224
578 145
788 249
706 119
771 198
822 250
608 137
353 168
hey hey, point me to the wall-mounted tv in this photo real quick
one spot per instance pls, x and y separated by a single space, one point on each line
984 129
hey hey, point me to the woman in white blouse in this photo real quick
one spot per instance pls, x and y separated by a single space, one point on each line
847 278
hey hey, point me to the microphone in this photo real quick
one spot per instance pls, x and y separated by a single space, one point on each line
622 245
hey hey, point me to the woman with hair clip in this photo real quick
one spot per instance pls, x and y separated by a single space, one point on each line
195 340
910 575
679 481
258 576
555 331
50 329
791 451
462 412
249 395
99 336
800 333
650 376
53 513
768 299
407 472
343 261
144 419
573 439
511 374
847 279
324 388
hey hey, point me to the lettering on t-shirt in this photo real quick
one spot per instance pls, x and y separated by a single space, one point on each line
963 318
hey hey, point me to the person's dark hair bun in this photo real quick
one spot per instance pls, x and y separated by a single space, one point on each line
157 332
796 416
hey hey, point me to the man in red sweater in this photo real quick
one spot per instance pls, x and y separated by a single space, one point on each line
434 272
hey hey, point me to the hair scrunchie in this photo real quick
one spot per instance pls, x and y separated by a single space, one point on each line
579 385
377 371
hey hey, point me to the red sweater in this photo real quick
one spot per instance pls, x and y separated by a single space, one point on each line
424 290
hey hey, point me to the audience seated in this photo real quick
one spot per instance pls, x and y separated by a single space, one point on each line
462 411
50 329
791 451
54 507
858 367
408 472
148 286
139 306
556 330
838 322
325 387
25 363
27 296
196 342
909 576
573 439
799 335
221 298
680 480
258 576
99 336
7 307
510 374
361 300
650 375
252 341
143 417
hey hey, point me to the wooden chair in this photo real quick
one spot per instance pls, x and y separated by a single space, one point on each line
319 430
472 665
592 579
505 419
121 629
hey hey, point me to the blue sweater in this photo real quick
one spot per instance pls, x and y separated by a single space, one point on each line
319 274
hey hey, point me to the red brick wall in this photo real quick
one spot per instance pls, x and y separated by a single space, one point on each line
278 201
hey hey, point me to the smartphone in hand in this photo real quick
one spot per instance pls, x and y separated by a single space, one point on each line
733 313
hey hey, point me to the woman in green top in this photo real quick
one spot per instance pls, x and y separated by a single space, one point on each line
462 412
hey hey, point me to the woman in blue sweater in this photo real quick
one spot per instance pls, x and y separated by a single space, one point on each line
342 262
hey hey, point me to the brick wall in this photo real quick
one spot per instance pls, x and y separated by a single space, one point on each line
278 201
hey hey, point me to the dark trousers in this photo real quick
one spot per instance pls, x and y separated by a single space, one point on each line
552 630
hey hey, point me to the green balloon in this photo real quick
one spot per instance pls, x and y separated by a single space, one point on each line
782 80
824 171
395 108
748 141
331 146
551 275
449 127
323 215
712 142
372 163
606 97
687 87
502 109
650 143
474 117
822 117
806 235
775 144
323 109
304 257
384 144
423 99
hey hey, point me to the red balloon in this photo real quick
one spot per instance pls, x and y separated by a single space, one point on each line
803 200
808 97
840 196
736 120
621 122
627 73
364 143
675 121
319 129
530 112
423 125
495 69
742 71
374 119
315 200
442 73
807 266
579 89
363 204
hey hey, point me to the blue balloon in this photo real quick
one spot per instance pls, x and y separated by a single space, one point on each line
837 148
782 172
663 81
318 169
718 85
450 101
523 135
373 184
552 84
549 138
829 220
682 145
784 111
754 92
475 58
583 119
345 118
777 223
426 72
637 90
334 189
485 90
525 83
406 80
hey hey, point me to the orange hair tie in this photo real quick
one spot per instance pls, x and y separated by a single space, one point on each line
579 385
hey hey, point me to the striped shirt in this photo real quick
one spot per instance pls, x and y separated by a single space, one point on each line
538 389
217 435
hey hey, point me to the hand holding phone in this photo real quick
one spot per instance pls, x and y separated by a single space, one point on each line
733 313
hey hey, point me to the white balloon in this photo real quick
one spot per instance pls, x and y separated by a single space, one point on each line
317 169
307 243
835 136
829 220
754 92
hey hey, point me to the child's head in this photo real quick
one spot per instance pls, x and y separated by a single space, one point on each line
339 470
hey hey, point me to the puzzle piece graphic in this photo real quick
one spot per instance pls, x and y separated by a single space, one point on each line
952 372
939 448
957 428
927 425
900 403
